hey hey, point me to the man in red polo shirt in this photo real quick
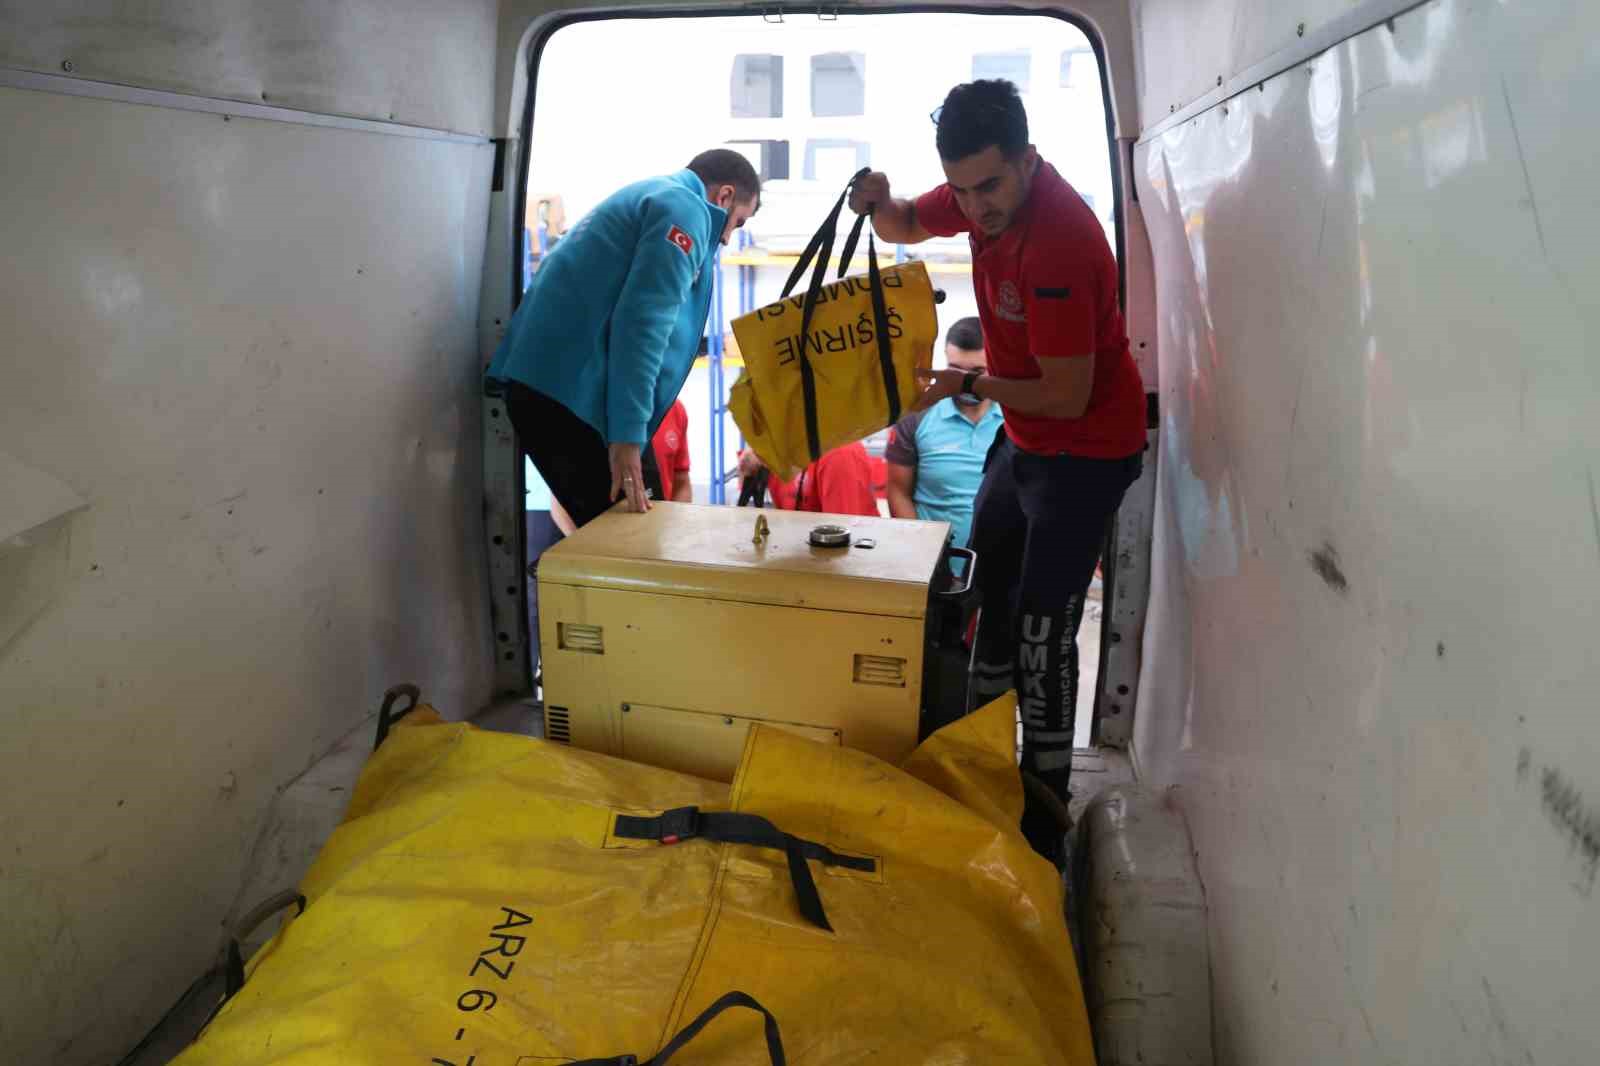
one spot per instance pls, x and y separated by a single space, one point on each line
838 483
1059 367
671 447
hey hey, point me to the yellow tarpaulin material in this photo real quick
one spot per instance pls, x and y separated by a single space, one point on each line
851 399
486 902
836 363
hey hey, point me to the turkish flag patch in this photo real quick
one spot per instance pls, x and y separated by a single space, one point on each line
684 242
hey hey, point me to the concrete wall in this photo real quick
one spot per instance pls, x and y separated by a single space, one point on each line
1369 668
239 458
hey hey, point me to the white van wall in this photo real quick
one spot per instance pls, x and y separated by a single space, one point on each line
239 456
1369 667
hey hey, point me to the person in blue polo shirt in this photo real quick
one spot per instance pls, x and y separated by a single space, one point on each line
608 330
936 457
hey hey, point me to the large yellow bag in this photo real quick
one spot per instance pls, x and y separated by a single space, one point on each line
837 363
492 900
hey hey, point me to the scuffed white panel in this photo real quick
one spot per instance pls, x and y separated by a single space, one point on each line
1369 664
1185 46
29 498
417 62
250 348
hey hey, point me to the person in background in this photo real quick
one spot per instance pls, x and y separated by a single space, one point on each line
1059 365
671 448
838 483
608 329
936 457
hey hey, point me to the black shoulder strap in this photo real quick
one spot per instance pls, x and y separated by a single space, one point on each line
730 827
692 1030
817 254
880 324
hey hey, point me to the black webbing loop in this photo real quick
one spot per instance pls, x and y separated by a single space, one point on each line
692 1030
753 489
233 967
386 715
817 254
728 827
851 242
880 323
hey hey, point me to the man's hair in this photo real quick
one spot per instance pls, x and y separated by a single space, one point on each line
967 335
723 166
980 114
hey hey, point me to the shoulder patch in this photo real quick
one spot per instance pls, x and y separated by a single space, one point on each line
684 242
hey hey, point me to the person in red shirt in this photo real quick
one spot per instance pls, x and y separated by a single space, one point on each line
671 446
1059 366
838 483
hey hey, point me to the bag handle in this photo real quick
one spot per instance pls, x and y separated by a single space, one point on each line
818 252
731 827
692 1030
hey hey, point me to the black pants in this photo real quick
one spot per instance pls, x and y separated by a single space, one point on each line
570 454
1038 526
543 533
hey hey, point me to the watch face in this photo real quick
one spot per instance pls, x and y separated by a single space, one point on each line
967 399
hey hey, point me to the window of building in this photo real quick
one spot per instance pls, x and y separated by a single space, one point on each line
1079 69
838 84
770 158
757 86
835 161
1015 67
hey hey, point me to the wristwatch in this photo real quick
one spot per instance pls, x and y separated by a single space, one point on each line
970 382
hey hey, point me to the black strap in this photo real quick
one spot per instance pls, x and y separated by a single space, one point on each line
386 715
753 489
692 1030
233 966
816 255
880 322
729 827
821 246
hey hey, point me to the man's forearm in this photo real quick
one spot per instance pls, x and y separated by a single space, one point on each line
896 222
1031 396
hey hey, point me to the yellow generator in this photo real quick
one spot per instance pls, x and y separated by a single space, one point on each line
664 635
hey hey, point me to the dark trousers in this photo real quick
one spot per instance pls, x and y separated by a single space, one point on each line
543 533
570 454
1038 526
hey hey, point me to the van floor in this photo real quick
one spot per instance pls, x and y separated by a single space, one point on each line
306 812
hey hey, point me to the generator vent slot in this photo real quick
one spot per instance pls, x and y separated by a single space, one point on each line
880 670
557 725
576 636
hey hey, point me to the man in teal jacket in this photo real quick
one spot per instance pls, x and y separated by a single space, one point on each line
609 328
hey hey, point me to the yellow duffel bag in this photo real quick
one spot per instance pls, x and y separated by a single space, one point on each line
492 900
837 363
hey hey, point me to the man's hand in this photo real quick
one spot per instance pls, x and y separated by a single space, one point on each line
870 192
749 463
627 477
942 384
894 220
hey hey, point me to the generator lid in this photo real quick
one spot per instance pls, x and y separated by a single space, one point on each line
681 549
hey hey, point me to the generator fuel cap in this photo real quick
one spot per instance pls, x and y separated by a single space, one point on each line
829 536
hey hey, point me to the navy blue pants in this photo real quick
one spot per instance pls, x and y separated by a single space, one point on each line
543 534
1038 525
570 454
